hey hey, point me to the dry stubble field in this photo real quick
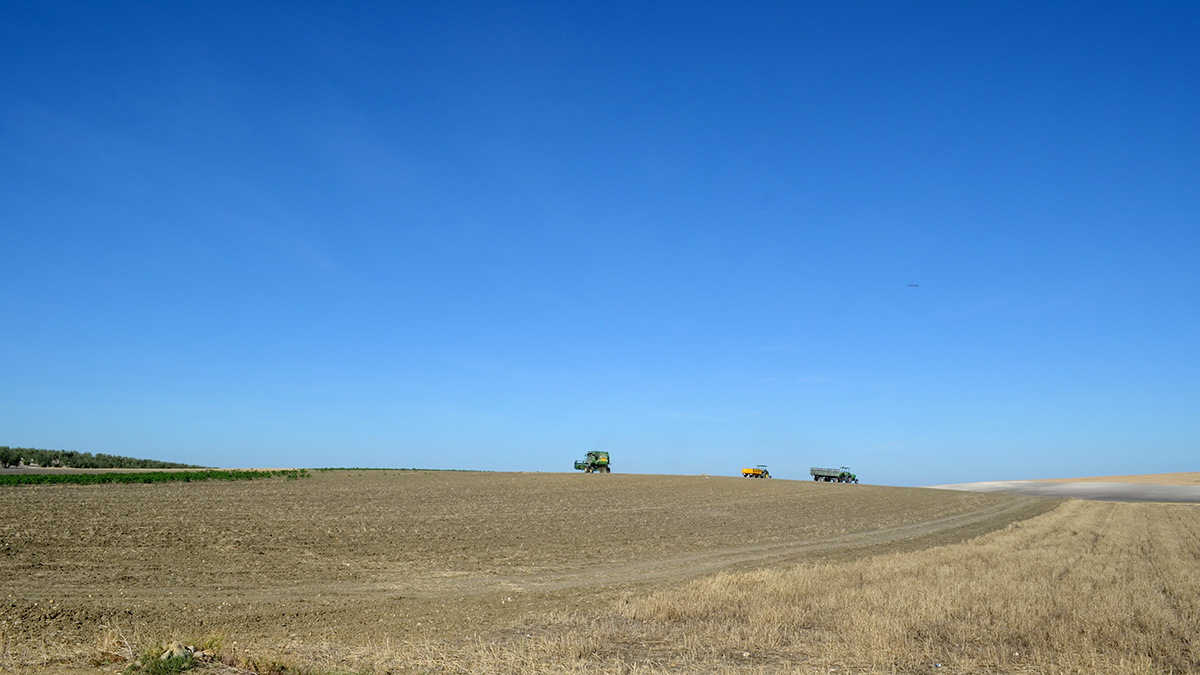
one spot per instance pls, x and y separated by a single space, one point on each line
389 571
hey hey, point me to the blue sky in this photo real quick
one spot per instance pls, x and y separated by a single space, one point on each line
937 242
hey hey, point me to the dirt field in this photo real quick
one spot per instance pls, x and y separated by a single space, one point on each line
1089 588
366 558
1185 478
1179 488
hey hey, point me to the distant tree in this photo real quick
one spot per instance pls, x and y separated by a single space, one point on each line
36 457
9 456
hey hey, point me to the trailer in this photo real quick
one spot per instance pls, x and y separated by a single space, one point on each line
759 471
841 475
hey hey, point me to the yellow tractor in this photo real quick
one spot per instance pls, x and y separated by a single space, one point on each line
759 471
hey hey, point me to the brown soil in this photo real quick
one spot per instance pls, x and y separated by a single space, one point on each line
361 557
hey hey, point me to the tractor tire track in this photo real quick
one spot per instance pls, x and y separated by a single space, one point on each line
680 567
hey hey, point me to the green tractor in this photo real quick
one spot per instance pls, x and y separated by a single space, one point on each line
596 462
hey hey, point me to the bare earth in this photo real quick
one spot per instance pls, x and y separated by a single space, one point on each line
363 557
1182 488
1186 478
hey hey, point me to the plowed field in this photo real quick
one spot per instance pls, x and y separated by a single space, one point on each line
360 557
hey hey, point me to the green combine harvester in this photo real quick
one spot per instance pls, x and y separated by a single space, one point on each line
596 462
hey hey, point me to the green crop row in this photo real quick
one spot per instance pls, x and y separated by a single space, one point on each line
146 477
384 468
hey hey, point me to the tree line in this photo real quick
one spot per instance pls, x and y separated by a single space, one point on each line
147 476
80 460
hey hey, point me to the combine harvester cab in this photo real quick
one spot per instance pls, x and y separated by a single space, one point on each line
759 471
842 475
595 462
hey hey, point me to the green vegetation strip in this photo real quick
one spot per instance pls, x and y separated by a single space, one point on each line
389 468
145 477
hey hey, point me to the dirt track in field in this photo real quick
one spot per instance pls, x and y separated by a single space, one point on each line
360 557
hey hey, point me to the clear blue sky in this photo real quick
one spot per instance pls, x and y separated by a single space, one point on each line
496 236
